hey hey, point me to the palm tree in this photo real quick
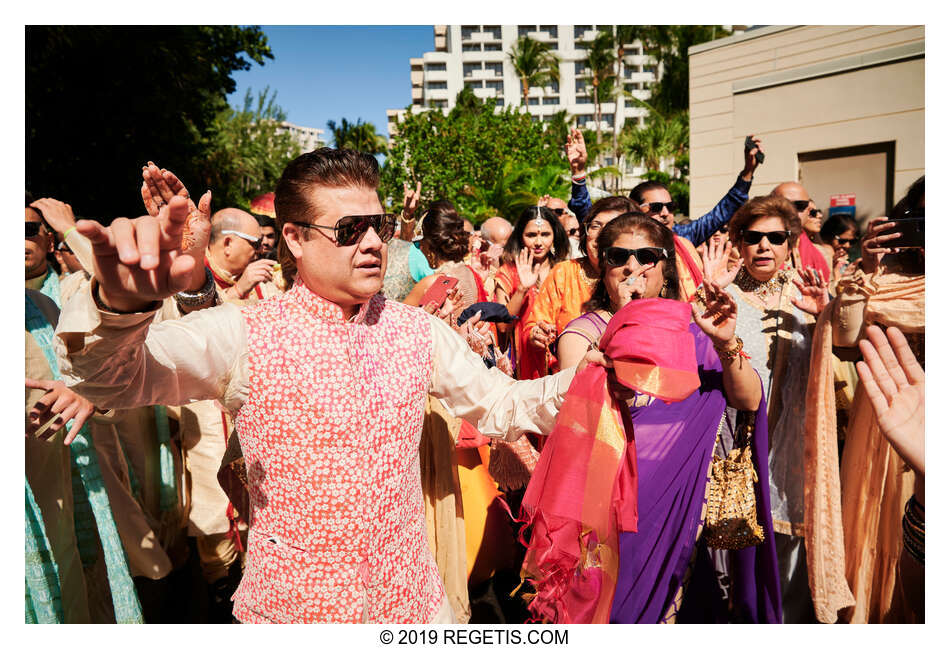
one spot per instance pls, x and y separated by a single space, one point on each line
661 140
360 136
623 34
507 196
600 60
534 63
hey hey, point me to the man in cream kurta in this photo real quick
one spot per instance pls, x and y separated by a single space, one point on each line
327 384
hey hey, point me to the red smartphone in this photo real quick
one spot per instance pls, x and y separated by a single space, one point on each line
439 290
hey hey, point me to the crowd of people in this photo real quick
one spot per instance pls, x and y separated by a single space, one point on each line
323 412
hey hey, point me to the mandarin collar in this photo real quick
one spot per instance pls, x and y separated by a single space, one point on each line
324 308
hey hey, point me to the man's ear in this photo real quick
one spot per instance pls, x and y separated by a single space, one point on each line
293 237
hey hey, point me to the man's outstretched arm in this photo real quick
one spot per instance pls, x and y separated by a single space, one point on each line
493 402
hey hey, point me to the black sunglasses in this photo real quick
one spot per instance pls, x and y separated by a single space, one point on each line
349 230
615 256
656 208
776 237
558 211
843 241
32 228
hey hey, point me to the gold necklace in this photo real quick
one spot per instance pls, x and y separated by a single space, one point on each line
587 279
762 290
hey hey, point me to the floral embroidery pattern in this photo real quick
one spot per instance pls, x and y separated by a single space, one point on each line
330 433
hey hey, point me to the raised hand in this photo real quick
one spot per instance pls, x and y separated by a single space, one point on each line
750 162
872 243
543 201
814 290
717 317
528 273
159 186
58 214
543 335
633 287
894 382
576 150
718 264
410 199
140 261
62 402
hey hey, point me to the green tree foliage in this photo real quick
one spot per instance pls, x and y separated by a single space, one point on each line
248 151
662 144
534 64
669 45
484 162
358 135
661 140
101 101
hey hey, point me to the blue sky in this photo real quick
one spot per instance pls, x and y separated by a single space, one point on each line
327 72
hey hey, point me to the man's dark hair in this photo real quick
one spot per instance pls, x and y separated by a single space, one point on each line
560 247
325 167
264 221
636 194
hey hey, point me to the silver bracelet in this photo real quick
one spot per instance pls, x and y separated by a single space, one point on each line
204 296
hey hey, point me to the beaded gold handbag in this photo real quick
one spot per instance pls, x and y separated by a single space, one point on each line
731 519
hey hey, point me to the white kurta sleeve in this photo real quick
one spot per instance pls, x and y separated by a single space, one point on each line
128 360
490 400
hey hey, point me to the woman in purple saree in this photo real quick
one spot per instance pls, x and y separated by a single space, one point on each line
616 503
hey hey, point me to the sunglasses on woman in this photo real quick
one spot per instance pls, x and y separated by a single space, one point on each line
843 241
776 237
349 230
616 256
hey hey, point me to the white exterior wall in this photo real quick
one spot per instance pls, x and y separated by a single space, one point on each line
307 137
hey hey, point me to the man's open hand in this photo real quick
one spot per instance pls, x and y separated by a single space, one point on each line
139 261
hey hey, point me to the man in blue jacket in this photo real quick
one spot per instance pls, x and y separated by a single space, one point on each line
654 198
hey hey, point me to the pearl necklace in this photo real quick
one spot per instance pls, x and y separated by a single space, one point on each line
762 290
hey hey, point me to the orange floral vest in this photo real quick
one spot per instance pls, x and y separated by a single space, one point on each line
330 433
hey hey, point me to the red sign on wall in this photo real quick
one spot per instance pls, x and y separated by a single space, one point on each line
842 200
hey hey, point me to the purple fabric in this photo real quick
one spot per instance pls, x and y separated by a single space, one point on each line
674 442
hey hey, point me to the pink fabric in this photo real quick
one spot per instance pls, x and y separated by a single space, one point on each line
337 530
652 349
812 257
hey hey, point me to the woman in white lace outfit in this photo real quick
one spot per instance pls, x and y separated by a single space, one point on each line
776 316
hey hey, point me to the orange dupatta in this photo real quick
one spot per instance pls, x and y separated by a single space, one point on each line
874 481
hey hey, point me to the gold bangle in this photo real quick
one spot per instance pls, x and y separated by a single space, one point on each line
730 354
